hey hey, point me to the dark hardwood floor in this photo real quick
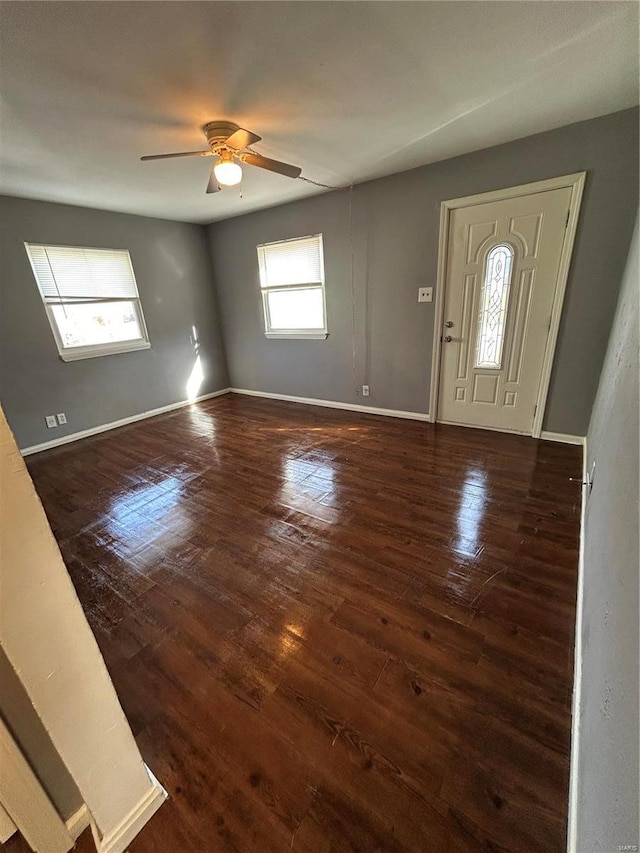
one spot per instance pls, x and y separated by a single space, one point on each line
331 631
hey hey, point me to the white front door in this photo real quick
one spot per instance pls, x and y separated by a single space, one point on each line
503 260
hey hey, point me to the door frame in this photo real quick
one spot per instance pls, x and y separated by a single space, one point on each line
576 183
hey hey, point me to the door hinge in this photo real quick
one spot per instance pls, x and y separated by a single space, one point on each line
535 409
568 216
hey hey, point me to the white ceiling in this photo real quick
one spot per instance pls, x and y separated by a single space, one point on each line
347 90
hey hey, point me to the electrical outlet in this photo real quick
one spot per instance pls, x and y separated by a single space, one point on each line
62 418
51 421
365 390
425 294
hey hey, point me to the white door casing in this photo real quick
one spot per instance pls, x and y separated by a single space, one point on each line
495 374
501 276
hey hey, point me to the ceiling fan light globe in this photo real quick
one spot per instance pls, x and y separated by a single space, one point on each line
227 173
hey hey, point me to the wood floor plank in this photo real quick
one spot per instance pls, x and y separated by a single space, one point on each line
331 631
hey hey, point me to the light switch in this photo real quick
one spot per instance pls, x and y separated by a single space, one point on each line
425 294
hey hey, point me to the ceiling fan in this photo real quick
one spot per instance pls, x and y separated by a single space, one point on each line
230 143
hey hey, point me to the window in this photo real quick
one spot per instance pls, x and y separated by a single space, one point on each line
493 307
91 299
292 284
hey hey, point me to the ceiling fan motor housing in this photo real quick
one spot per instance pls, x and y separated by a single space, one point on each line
217 132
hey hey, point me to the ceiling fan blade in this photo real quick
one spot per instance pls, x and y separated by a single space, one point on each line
241 139
213 186
179 154
271 165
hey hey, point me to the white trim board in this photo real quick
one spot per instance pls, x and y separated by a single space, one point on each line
26 803
576 183
123 834
563 437
78 822
310 401
574 766
545 435
332 404
85 433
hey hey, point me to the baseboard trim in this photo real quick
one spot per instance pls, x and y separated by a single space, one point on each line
78 822
85 433
563 437
122 835
333 404
574 768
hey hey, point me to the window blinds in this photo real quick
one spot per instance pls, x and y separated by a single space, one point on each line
291 262
72 272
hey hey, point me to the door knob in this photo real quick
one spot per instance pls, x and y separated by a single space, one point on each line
447 339
449 324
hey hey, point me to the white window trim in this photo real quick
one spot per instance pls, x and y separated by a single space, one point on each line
295 334
94 350
302 335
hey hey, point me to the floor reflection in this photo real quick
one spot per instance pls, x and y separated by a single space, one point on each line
144 521
471 509
309 485
164 494
301 470
202 422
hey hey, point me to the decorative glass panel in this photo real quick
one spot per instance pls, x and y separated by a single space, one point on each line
493 307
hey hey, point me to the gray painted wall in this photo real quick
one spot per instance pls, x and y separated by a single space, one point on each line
396 223
173 271
608 791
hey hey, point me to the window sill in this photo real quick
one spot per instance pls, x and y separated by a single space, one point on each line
95 352
297 336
